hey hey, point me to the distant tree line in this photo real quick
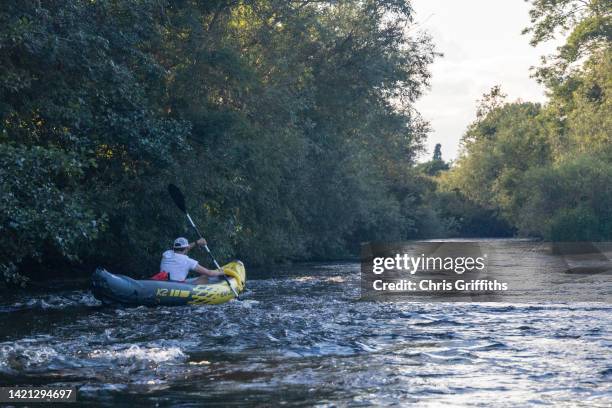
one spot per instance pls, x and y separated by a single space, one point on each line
289 124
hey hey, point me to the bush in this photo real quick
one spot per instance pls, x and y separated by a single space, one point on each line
569 200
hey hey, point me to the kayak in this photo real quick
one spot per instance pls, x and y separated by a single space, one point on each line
111 288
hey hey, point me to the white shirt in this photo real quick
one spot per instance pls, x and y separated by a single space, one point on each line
177 265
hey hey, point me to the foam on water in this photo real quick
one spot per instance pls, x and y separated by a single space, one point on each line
295 338
19 357
134 352
54 302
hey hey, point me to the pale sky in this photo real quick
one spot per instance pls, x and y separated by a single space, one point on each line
482 45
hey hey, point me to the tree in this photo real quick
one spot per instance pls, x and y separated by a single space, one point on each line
437 156
588 24
543 167
436 164
275 116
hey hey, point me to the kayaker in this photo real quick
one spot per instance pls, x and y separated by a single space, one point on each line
176 264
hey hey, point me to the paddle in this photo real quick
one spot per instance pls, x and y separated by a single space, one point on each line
179 200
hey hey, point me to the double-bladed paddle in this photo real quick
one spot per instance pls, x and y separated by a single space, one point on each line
179 200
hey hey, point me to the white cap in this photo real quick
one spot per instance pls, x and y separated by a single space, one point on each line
181 243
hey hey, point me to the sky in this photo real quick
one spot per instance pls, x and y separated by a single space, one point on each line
482 45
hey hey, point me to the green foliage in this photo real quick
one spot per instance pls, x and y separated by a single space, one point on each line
570 200
585 106
436 164
588 24
41 206
437 155
446 212
522 162
547 170
461 217
289 125
497 149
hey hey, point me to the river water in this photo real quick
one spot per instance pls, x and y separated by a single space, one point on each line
302 337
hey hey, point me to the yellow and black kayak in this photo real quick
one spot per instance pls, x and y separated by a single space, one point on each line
110 288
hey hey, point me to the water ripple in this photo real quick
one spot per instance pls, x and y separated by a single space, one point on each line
305 335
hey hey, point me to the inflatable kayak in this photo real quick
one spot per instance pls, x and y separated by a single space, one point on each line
110 288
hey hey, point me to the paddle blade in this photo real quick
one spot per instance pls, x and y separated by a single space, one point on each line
177 197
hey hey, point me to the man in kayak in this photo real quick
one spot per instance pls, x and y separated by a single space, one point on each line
176 264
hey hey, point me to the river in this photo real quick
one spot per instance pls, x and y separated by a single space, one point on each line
302 337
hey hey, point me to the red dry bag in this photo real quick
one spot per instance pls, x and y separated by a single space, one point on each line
161 276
